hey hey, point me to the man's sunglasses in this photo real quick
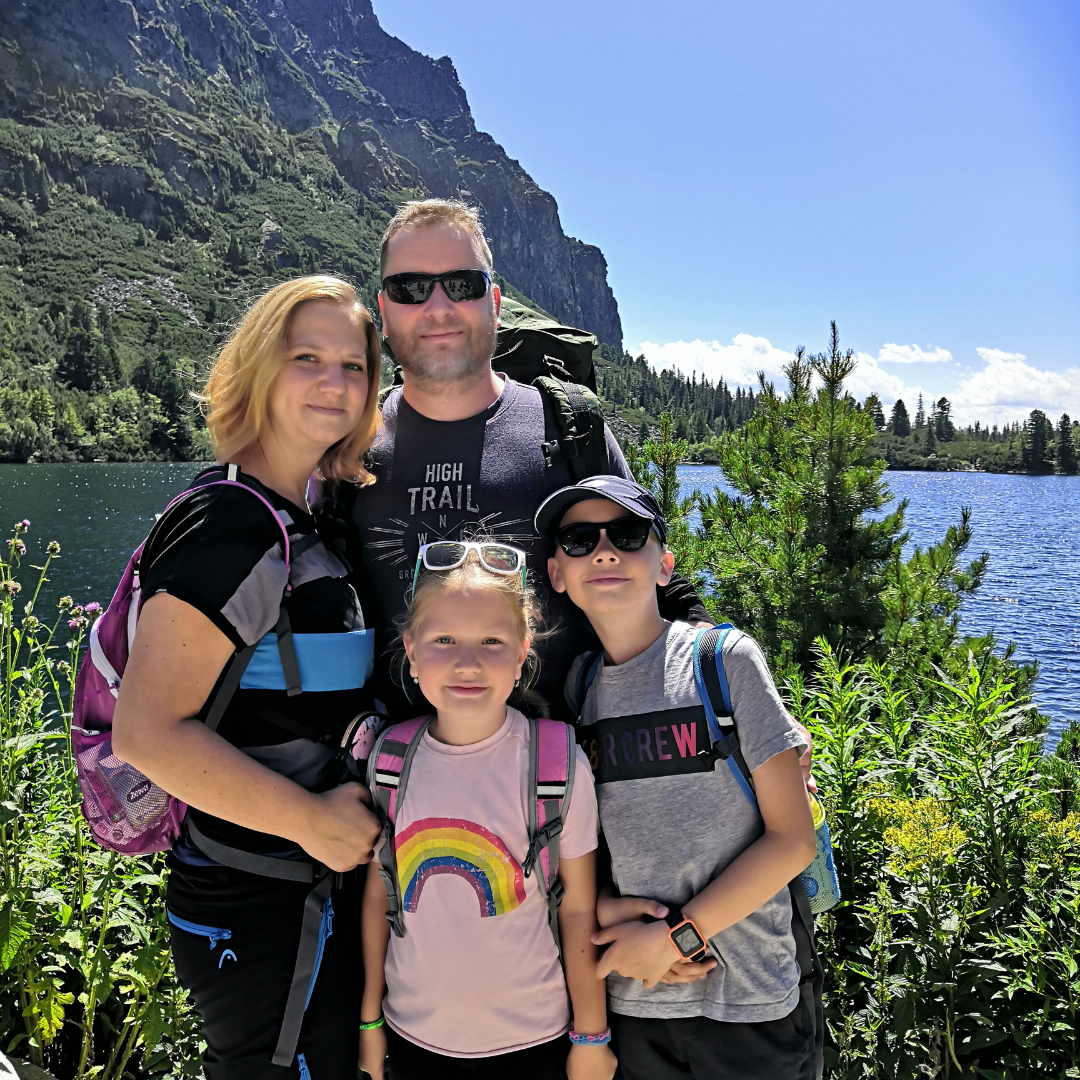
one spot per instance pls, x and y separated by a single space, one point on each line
625 534
450 554
457 284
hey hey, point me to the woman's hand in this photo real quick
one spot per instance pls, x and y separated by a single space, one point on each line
373 1052
340 830
590 1063
686 971
638 951
611 910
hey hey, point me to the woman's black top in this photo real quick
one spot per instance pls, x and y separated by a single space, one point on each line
221 551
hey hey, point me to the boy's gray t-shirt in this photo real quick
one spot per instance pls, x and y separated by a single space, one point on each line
669 836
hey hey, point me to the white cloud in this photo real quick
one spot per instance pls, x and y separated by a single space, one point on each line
737 363
1005 390
1008 388
913 354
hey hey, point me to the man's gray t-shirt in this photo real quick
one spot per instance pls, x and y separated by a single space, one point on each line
670 835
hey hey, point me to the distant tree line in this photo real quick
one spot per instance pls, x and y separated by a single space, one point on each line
932 440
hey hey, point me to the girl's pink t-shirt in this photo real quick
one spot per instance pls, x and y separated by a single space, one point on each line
477 972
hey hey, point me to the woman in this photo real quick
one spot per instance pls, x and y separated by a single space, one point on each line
271 840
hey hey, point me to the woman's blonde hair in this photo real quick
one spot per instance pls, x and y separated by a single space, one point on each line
472 576
234 399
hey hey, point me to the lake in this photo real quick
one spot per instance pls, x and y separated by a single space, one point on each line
1029 524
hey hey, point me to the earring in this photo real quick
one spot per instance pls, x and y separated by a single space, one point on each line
415 679
517 681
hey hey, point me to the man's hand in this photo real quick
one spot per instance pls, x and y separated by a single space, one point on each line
638 951
341 831
373 1052
617 909
590 1063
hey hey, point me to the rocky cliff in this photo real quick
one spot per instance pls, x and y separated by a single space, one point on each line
181 84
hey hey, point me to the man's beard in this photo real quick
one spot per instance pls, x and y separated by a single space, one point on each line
466 365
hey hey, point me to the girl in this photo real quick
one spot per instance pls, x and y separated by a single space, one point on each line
251 891
476 990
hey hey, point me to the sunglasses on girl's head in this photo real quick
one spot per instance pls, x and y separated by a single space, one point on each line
450 554
416 288
625 534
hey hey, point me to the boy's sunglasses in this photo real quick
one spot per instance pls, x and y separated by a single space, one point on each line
450 554
416 288
625 534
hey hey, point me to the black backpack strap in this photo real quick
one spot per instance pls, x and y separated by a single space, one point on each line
811 972
580 443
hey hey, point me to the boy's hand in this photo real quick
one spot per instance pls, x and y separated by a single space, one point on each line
686 971
373 1052
616 909
638 951
590 1063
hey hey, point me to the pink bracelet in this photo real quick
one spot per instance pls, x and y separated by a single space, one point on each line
602 1039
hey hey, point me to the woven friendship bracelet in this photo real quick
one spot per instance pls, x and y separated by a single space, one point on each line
602 1039
374 1024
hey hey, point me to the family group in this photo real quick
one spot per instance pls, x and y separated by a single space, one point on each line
457 774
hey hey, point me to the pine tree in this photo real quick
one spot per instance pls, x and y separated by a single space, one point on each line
930 442
920 415
873 407
943 426
1037 444
801 551
1066 447
899 421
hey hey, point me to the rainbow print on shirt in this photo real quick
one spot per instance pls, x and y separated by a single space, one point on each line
433 846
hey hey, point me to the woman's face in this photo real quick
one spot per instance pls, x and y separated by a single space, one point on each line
320 392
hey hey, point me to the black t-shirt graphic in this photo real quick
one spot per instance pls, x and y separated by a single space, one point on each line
451 480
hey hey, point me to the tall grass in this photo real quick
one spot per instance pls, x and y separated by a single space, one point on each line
86 985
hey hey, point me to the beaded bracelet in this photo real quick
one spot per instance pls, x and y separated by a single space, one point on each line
374 1024
602 1039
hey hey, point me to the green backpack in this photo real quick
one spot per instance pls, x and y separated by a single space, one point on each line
558 360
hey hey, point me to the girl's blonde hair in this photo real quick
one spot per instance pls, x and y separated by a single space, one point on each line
234 399
471 575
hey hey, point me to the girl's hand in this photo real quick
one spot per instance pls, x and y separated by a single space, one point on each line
373 1052
616 909
638 951
590 1063
686 971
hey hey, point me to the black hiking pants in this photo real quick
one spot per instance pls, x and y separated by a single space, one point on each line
239 984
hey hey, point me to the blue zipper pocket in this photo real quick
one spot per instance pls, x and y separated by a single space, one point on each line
326 929
214 933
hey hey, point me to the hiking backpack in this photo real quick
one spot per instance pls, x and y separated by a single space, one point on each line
126 811
557 360
551 784
819 879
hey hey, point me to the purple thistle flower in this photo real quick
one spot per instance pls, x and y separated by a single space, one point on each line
92 608
73 624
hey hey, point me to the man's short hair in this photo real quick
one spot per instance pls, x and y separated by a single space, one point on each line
421 212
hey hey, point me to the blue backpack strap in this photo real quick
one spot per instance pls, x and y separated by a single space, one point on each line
590 665
712 686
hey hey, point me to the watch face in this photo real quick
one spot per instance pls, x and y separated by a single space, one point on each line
687 940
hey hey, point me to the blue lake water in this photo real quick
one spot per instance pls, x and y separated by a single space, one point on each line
1031 592
1030 525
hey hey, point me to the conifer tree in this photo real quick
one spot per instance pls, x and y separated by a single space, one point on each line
1037 443
899 421
1066 447
920 415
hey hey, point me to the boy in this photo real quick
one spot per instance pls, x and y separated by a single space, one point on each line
701 961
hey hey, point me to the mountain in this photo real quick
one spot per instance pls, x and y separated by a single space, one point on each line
161 161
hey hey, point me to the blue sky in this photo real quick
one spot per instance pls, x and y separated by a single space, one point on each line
753 170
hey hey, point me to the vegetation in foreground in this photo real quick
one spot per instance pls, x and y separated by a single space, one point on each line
953 952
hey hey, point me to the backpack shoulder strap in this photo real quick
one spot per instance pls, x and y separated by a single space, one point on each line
712 686
393 754
551 783
590 665
580 443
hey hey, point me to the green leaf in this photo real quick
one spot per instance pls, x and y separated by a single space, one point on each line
14 931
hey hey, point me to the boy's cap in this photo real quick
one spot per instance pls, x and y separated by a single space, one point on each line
627 493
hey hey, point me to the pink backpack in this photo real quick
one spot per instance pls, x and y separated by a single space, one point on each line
551 783
126 811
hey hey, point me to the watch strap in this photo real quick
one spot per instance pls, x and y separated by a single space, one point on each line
674 919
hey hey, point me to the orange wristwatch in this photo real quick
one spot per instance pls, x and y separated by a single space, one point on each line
685 936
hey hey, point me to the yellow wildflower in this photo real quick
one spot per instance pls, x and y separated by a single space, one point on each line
924 836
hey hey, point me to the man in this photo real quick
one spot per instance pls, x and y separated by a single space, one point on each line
461 453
